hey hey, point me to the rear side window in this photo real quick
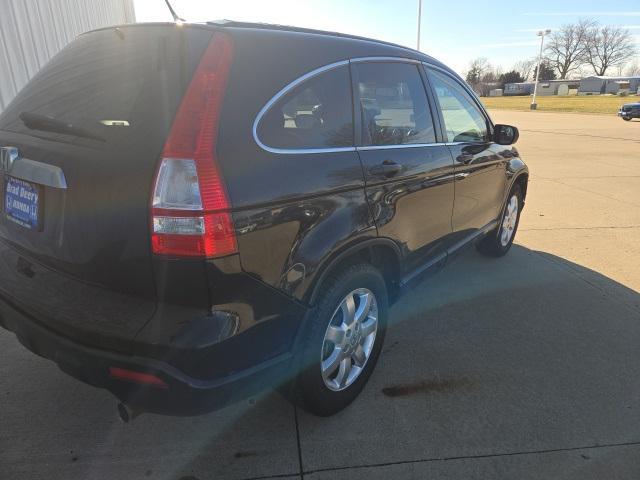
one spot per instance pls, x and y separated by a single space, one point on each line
315 114
463 120
393 105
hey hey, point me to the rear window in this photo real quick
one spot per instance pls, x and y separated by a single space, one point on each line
107 84
315 114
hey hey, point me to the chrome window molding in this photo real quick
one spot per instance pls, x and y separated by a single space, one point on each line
400 145
412 145
318 71
283 92
386 59
302 151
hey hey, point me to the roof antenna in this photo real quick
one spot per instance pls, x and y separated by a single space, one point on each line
175 16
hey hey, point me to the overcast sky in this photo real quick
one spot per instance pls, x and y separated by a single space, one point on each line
454 31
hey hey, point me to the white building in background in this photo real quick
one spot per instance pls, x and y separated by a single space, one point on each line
596 85
33 31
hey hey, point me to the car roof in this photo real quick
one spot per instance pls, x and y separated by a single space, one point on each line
400 49
290 28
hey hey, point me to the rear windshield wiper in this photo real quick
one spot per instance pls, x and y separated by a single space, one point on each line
35 121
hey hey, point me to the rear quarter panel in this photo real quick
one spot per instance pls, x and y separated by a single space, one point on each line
291 211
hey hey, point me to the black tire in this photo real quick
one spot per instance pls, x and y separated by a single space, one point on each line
626 119
309 390
491 245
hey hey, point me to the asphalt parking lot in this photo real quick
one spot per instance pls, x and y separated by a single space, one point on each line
525 367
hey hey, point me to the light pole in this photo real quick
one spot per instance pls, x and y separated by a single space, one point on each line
419 20
541 34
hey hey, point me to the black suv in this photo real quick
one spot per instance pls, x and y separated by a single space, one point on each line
629 111
195 212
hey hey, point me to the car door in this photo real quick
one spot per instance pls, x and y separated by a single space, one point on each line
297 186
480 164
408 174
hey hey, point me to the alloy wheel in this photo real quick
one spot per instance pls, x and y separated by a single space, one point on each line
349 339
509 221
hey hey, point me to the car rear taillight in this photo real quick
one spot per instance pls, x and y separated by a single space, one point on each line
190 207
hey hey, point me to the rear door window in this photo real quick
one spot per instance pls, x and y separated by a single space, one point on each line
315 114
393 104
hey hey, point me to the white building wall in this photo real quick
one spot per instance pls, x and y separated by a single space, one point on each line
33 31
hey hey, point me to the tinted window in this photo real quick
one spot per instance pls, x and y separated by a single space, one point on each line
464 122
393 104
113 87
315 114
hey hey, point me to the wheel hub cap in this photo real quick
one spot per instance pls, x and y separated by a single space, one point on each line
349 339
509 221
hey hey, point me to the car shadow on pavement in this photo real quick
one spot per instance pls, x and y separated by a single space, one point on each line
493 358
489 357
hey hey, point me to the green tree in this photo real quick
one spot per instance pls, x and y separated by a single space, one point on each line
546 72
510 77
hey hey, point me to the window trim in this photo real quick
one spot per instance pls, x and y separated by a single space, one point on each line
385 60
283 92
355 147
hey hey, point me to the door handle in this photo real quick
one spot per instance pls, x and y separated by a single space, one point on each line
388 168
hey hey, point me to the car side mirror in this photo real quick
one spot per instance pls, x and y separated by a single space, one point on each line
505 134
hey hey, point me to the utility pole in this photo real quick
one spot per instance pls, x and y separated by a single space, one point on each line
541 34
419 21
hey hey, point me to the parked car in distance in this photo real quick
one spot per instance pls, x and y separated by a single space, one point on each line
192 214
629 111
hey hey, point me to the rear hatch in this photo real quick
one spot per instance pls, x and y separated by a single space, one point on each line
74 227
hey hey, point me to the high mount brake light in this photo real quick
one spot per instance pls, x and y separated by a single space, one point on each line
190 209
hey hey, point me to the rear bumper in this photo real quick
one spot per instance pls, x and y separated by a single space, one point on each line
183 395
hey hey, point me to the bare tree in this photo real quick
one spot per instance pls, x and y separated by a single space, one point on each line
478 68
607 47
633 69
491 75
567 47
526 67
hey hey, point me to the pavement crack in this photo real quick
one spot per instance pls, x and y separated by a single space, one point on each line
590 191
568 268
599 177
269 477
295 416
475 457
571 134
602 227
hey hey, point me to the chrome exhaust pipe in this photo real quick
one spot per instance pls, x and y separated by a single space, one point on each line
126 413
